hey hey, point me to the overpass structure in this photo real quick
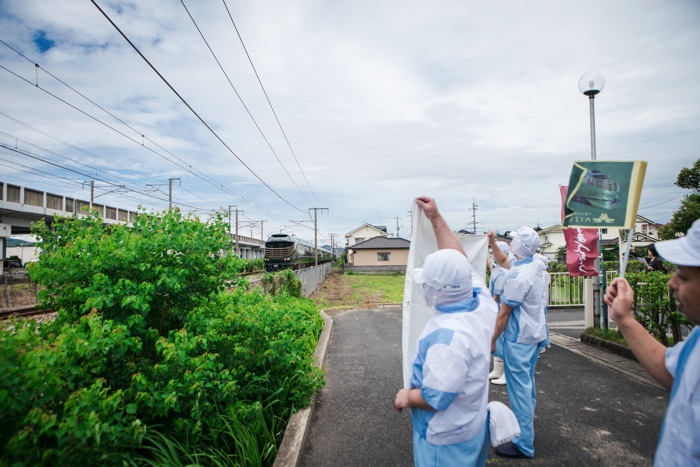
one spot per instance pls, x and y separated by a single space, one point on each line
20 207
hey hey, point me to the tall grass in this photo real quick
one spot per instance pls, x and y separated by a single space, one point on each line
248 440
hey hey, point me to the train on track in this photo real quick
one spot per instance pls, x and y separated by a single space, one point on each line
283 251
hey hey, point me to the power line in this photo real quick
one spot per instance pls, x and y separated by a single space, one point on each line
268 100
78 172
189 168
242 102
191 109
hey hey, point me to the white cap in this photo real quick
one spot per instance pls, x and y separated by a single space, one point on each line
684 251
525 242
445 270
542 258
504 247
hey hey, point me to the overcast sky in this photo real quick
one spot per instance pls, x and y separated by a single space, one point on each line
375 102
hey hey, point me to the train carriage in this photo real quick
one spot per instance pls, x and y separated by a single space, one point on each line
284 251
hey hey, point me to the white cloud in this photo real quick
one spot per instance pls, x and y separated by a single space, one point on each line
381 102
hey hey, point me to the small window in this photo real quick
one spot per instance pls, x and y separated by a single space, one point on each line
359 240
603 231
383 256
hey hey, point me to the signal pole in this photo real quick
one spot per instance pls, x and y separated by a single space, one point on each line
315 210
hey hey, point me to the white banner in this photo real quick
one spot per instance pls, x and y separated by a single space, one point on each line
416 311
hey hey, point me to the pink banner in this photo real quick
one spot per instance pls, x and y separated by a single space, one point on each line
562 192
581 251
581 246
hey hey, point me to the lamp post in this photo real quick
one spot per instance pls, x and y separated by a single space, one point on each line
591 84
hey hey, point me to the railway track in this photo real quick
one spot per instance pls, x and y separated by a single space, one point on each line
23 312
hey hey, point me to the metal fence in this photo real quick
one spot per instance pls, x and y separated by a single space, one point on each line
565 290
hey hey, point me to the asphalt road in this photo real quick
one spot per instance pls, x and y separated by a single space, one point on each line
586 413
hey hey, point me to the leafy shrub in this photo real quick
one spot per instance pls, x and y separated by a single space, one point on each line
655 307
283 282
253 265
149 347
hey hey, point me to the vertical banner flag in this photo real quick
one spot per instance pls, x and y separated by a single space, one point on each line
581 246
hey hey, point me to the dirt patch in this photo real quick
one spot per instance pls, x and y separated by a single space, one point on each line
338 293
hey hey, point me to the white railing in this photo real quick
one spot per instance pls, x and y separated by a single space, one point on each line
565 290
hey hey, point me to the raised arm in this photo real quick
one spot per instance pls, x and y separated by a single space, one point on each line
500 257
446 239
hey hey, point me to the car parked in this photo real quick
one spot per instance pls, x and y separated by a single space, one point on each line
11 264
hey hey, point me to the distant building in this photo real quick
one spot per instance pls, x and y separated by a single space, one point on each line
379 254
364 232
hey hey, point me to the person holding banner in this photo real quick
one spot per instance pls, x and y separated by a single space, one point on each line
676 368
448 391
498 277
545 299
522 322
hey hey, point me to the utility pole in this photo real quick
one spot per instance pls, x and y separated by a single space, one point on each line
235 237
315 210
170 192
397 225
92 190
333 244
473 209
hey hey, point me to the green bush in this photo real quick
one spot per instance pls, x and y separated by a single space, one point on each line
284 282
655 307
150 351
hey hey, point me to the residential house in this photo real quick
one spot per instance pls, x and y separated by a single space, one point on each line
364 232
379 254
551 239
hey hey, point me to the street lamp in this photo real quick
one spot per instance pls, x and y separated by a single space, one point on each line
590 84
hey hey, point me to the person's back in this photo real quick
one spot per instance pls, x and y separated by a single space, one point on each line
524 291
459 336
448 388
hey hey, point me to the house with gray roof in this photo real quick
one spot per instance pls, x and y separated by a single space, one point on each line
379 254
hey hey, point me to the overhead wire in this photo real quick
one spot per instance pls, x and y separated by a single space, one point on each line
250 60
241 100
87 153
193 170
211 130
83 174
268 100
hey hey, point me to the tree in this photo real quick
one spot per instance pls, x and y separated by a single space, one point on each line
689 210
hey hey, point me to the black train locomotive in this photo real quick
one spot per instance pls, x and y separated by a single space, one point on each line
283 251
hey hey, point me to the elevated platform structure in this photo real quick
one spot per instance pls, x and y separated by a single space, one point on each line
20 207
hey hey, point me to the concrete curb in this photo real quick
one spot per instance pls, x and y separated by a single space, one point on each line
289 452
